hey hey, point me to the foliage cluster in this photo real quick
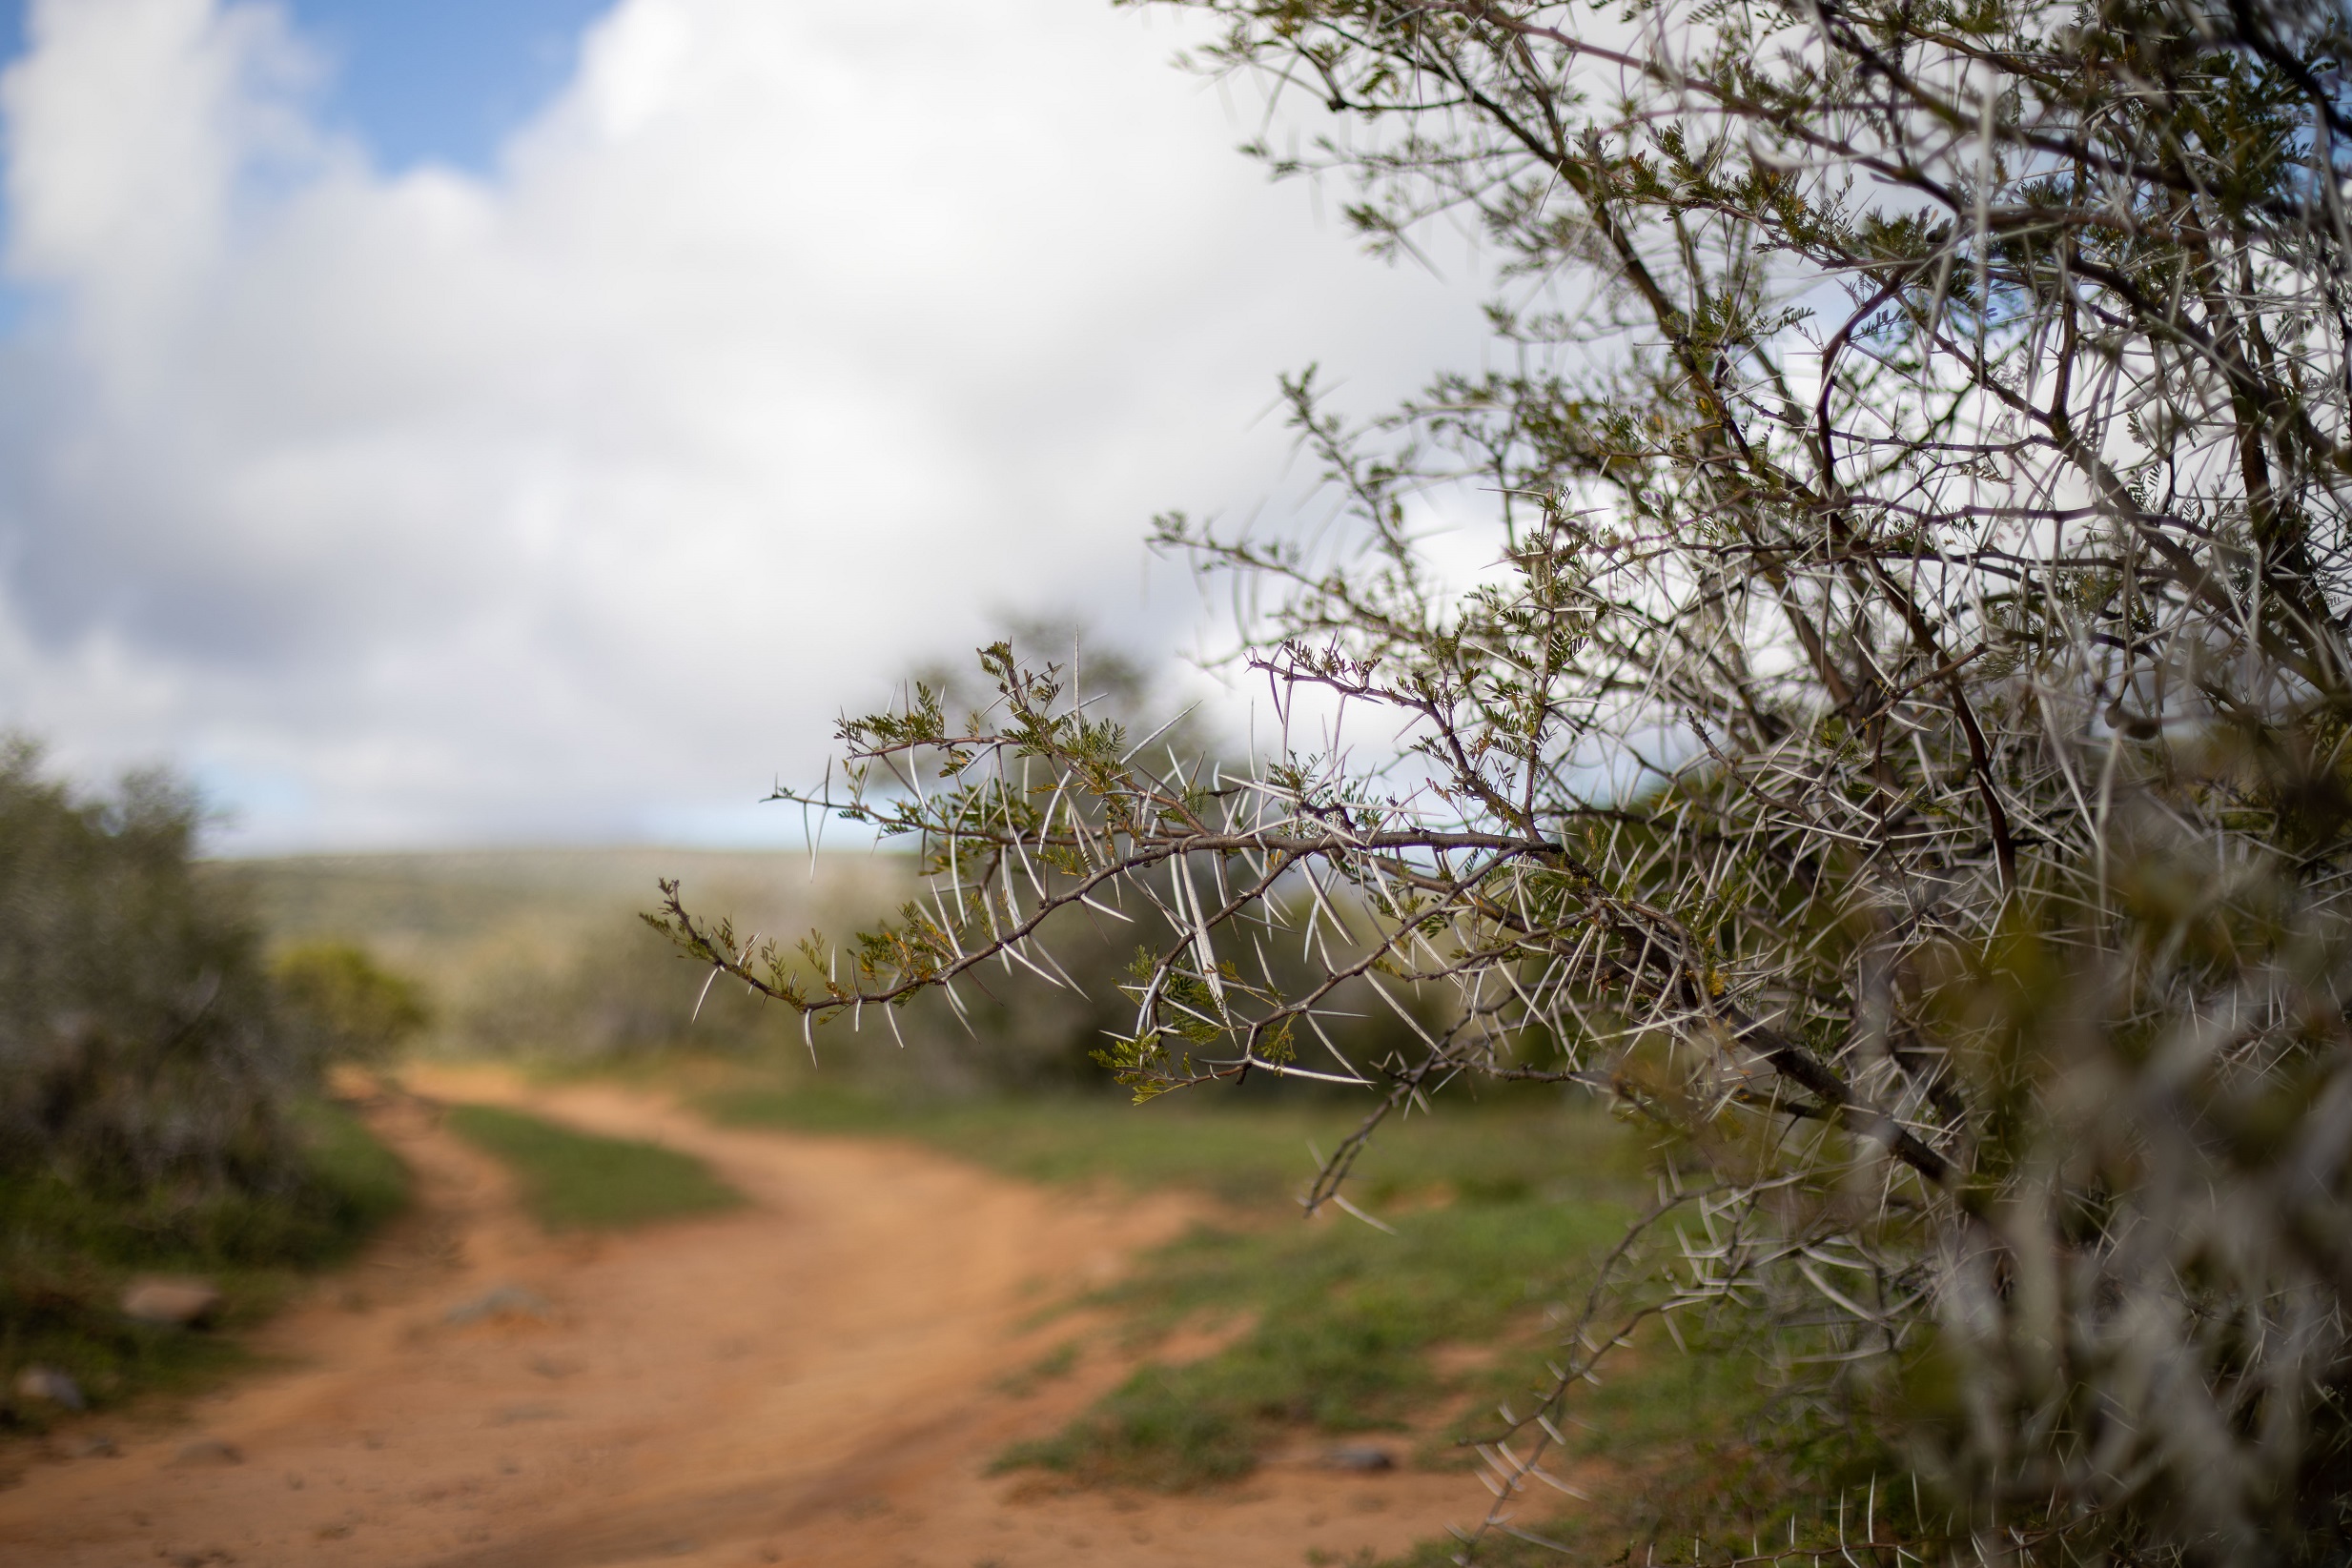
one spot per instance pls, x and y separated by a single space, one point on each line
139 1043
346 1006
160 1105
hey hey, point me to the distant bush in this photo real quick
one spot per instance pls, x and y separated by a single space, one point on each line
614 990
344 1005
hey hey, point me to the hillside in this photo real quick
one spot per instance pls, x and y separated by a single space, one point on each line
541 951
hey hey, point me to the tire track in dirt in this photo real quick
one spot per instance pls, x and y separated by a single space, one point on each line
813 1379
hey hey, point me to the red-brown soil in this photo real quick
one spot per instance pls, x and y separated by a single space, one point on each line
813 1379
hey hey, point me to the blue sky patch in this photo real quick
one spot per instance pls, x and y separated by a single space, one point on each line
426 81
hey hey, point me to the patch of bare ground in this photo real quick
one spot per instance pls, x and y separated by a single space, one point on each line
818 1378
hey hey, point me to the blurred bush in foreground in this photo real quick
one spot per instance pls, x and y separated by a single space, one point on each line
159 1107
138 1047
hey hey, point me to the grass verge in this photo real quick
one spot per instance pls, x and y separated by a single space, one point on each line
1500 1212
1496 1211
1254 1156
1342 1321
578 1181
67 1251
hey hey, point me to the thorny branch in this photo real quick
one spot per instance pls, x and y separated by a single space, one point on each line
1900 747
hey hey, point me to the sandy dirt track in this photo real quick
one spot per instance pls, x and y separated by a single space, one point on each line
814 1379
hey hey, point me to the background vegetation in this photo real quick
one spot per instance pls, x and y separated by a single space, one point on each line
161 1104
540 953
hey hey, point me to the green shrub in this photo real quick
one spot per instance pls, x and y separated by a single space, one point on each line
157 1111
343 1004
138 1046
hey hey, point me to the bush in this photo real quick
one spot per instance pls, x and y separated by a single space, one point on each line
139 1048
342 1006
158 1108
610 992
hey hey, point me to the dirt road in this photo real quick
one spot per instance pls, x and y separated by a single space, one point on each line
814 1379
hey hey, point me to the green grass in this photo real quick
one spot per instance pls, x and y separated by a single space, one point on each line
1502 1210
1341 1322
1059 1362
66 1253
577 1181
1254 1155
1498 1210
368 1181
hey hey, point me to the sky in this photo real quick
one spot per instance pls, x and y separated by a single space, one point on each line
434 423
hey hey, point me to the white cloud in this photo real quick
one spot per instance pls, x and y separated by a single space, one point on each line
574 502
